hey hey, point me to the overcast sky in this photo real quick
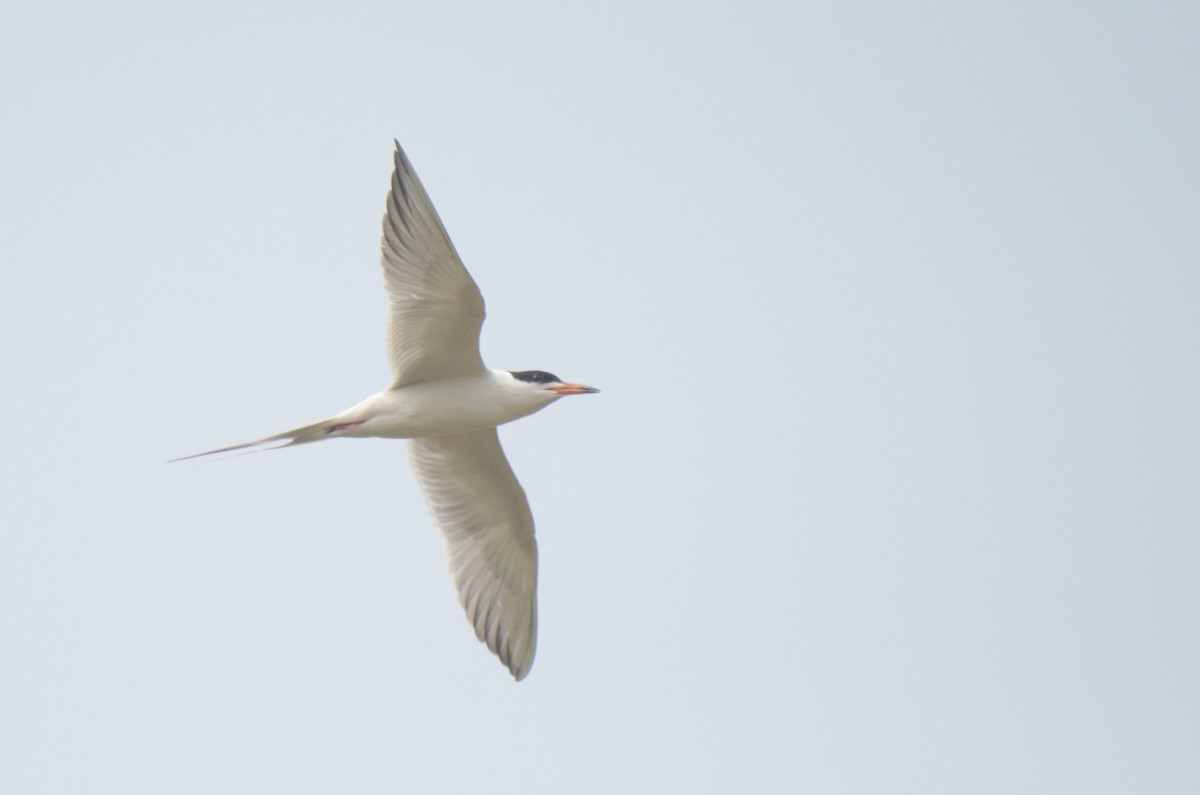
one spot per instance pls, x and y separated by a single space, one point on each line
892 486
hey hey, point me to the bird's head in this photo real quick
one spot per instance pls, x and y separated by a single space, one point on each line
550 384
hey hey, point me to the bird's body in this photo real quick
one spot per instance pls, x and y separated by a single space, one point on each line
436 408
448 405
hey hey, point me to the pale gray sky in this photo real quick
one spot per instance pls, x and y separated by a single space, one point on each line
892 486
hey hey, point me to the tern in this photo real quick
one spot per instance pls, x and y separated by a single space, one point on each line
447 404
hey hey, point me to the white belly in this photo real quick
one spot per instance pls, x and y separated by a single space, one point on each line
436 408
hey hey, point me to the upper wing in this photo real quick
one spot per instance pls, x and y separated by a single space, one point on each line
483 514
436 307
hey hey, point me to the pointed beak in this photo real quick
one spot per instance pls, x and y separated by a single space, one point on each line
572 389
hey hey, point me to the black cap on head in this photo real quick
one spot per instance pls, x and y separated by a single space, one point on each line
536 377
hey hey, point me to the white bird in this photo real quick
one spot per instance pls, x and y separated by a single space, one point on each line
447 404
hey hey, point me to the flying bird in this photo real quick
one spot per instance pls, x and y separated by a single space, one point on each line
447 404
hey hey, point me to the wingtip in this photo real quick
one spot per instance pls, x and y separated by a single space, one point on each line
518 660
521 671
399 155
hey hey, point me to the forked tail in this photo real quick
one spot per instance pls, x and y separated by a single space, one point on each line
308 433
